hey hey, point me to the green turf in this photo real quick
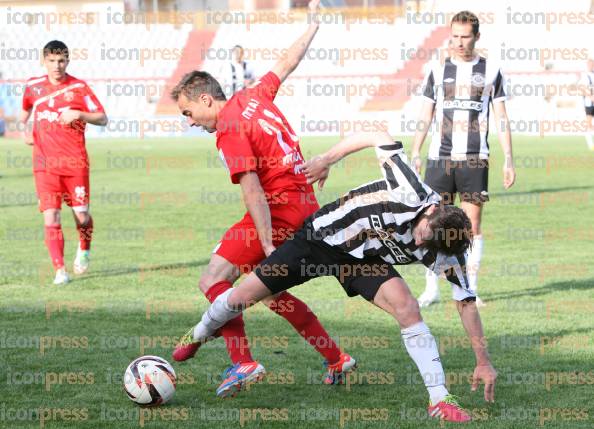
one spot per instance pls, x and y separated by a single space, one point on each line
159 208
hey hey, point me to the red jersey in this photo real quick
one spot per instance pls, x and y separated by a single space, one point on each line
59 149
253 135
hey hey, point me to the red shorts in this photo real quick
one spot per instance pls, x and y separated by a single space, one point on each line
52 189
241 246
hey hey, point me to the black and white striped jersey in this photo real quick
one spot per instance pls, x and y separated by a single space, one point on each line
376 219
588 82
462 91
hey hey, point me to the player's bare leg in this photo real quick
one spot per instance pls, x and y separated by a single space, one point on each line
395 298
84 225
474 212
54 240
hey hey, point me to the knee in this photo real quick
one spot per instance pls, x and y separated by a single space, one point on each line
408 311
82 218
239 299
51 218
205 283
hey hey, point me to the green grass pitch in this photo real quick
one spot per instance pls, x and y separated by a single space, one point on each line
160 206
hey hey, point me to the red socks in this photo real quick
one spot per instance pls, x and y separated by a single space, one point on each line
85 232
234 330
307 324
54 240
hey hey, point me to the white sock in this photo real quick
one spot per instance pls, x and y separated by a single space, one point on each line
422 348
215 316
589 140
473 262
431 283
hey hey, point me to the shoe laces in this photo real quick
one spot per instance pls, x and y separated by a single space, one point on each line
452 400
187 339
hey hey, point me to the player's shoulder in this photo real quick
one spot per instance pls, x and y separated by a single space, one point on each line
436 66
36 80
72 80
493 66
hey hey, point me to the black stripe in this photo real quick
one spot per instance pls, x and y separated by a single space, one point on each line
498 89
429 90
390 176
395 146
410 176
447 122
368 188
361 213
474 128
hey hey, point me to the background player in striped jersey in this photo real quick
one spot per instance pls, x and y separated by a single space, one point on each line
457 99
261 151
587 85
61 106
397 220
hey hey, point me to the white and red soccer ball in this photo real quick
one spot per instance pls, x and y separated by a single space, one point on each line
149 381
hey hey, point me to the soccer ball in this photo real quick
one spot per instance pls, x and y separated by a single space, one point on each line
149 381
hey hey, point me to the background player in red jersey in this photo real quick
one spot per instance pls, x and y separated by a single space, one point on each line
262 154
61 106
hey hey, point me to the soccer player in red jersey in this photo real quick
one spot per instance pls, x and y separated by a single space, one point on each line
61 106
262 154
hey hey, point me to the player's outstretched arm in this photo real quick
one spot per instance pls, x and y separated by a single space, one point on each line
318 168
502 122
484 371
293 56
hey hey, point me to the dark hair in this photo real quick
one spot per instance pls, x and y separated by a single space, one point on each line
198 82
452 230
55 47
467 17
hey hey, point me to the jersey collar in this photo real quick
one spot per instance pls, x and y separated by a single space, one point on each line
474 61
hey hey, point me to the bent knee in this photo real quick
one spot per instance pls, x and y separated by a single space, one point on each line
408 309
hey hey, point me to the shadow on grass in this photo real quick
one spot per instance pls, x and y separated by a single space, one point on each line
135 269
580 284
540 191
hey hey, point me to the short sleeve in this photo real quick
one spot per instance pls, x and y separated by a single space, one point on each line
28 99
454 268
499 87
404 184
236 152
429 87
90 101
267 86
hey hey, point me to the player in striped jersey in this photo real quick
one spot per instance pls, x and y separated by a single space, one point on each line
357 239
587 85
457 99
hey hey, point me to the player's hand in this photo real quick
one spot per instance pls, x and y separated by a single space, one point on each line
268 250
485 373
416 162
317 170
313 11
509 176
69 116
28 139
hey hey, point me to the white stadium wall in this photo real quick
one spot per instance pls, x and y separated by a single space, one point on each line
335 89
